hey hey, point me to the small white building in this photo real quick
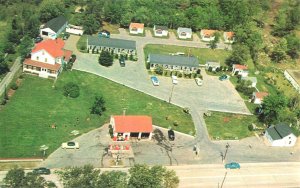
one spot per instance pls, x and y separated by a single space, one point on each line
280 135
258 97
253 80
240 70
160 31
136 28
47 58
207 35
228 37
73 29
213 65
54 27
184 33
293 76
132 126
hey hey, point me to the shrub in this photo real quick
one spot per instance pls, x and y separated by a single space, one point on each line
71 90
198 71
106 59
210 69
147 65
175 123
116 56
111 131
82 48
217 69
14 86
98 106
250 127
21 76
159 70
179 75
3 102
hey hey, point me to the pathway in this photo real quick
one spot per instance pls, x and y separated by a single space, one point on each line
10 75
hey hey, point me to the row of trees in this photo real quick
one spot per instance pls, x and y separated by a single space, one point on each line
86 176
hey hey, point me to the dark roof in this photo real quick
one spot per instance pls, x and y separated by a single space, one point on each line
173 60
56 23
279 131
111 42
161 27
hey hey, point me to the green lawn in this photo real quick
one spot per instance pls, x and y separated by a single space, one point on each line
227 126
81 44
26 120
3 29
203 54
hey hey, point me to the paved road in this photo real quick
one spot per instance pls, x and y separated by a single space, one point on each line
254 175
10 75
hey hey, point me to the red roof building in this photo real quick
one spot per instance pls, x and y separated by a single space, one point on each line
132 126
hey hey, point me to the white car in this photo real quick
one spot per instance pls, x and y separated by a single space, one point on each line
198 81
70 145
155 81
174 80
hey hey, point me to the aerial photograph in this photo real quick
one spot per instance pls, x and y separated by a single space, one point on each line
149 93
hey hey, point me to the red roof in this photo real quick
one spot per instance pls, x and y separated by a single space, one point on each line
240 67
133 124
53 47
261 95
208 32
55 67
136 25
229 34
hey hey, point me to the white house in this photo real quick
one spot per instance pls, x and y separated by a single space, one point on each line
207 35
73 29
54 27
258 97
280 135
125 127
228 37
253 80
293 76
47 58
136 28
160 31
213 65
240 70
184 33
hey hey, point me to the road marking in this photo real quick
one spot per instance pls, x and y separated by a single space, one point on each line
236 176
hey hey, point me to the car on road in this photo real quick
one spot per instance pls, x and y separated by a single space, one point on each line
104 33
122 61
70 145
38 39
198 81
224 77
41 170
171 135
233 165
155 80
174 80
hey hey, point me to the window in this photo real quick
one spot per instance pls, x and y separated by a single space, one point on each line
37 58
43 53
46 60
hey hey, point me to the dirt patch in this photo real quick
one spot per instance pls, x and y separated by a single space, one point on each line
226 119
10 165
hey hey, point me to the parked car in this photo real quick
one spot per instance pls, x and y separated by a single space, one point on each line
155 80
233 165
70 145
66 36
174 80
198 81
224 77
41 170
104 33
122 61
171 135
38 39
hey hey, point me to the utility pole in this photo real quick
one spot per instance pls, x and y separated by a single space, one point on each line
227 146
223 179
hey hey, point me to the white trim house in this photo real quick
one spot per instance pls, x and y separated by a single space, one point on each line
184 33
280 135
136 28
160 31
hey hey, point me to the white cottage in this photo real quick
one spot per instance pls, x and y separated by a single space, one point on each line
54 27
280 135
240 70
136 28
160 31
184 33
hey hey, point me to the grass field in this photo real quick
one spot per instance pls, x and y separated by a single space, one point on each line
226 126
27 119
113 29
81 44
203 54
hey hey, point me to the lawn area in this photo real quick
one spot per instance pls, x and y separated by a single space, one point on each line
112 28
27 119
3 27
203 54
227 126
81 44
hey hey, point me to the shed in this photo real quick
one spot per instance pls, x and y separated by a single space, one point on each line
280 135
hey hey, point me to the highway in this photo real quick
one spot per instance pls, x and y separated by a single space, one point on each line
258 175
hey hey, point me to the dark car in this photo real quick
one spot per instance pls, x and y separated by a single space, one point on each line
122 61
171 135
41 170
38 39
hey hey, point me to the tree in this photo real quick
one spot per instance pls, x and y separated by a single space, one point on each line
25 47
245 88
83 177
213 43
159 70
15 178
106 59
98 106
272 106
9 48
240 55
115 179
91 24
293 46
31 26
279 54
156 176
71 90
50 9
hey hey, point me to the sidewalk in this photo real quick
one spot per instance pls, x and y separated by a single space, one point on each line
8 78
